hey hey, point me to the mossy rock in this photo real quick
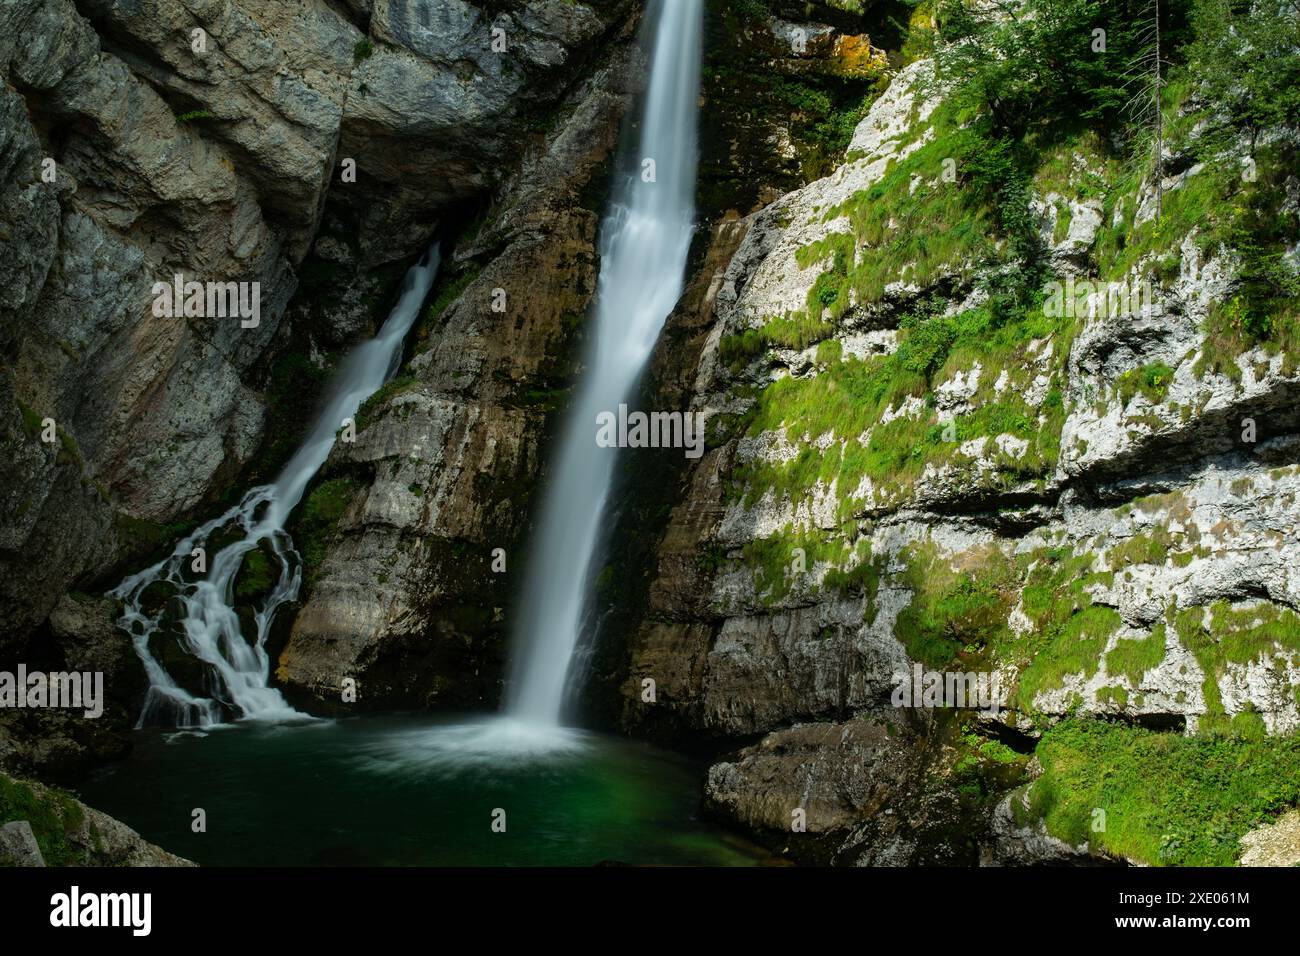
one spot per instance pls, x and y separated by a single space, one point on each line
55 818
257 576
156 596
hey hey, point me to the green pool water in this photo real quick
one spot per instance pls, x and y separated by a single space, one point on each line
412 790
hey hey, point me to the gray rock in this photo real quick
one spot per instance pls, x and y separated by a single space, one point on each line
450 460
218 164
18 845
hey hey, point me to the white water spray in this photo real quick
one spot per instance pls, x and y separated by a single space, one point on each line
644 242
237 668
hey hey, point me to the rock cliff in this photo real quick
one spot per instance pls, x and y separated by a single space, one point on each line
1093 501
302 147
1022 414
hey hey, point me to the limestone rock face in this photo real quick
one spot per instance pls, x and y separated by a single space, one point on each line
445 460
150 411
865 792
1100 515
18 845
145 140
81 636
1277 844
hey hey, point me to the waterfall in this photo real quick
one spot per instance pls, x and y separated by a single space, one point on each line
644 241
237 667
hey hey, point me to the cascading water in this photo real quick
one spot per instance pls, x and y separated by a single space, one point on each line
644 242
237 669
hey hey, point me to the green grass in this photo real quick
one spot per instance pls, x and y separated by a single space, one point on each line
955 614
53 818
1133 658
1228 635
1168 799
1150 380
1069 632
916 231
1219 209
904 228
958 616
772 561
850 397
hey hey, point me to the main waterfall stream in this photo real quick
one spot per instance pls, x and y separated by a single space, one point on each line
279 787
644 242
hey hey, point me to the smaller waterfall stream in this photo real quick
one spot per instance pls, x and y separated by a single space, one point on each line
237 667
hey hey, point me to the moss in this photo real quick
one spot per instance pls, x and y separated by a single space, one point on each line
447 290
983 769
960 614
146 537
1168 799
542 398
1218 209
292 401
394 386
31 420
33 426
1075 639
861 575
912 226
1146 547
955 613
776 563
55 817
1116 696
849 399
362 50
318 521
256 577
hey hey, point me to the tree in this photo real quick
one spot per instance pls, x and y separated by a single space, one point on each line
1249 58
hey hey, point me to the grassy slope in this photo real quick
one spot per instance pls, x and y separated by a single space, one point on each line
1169 799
